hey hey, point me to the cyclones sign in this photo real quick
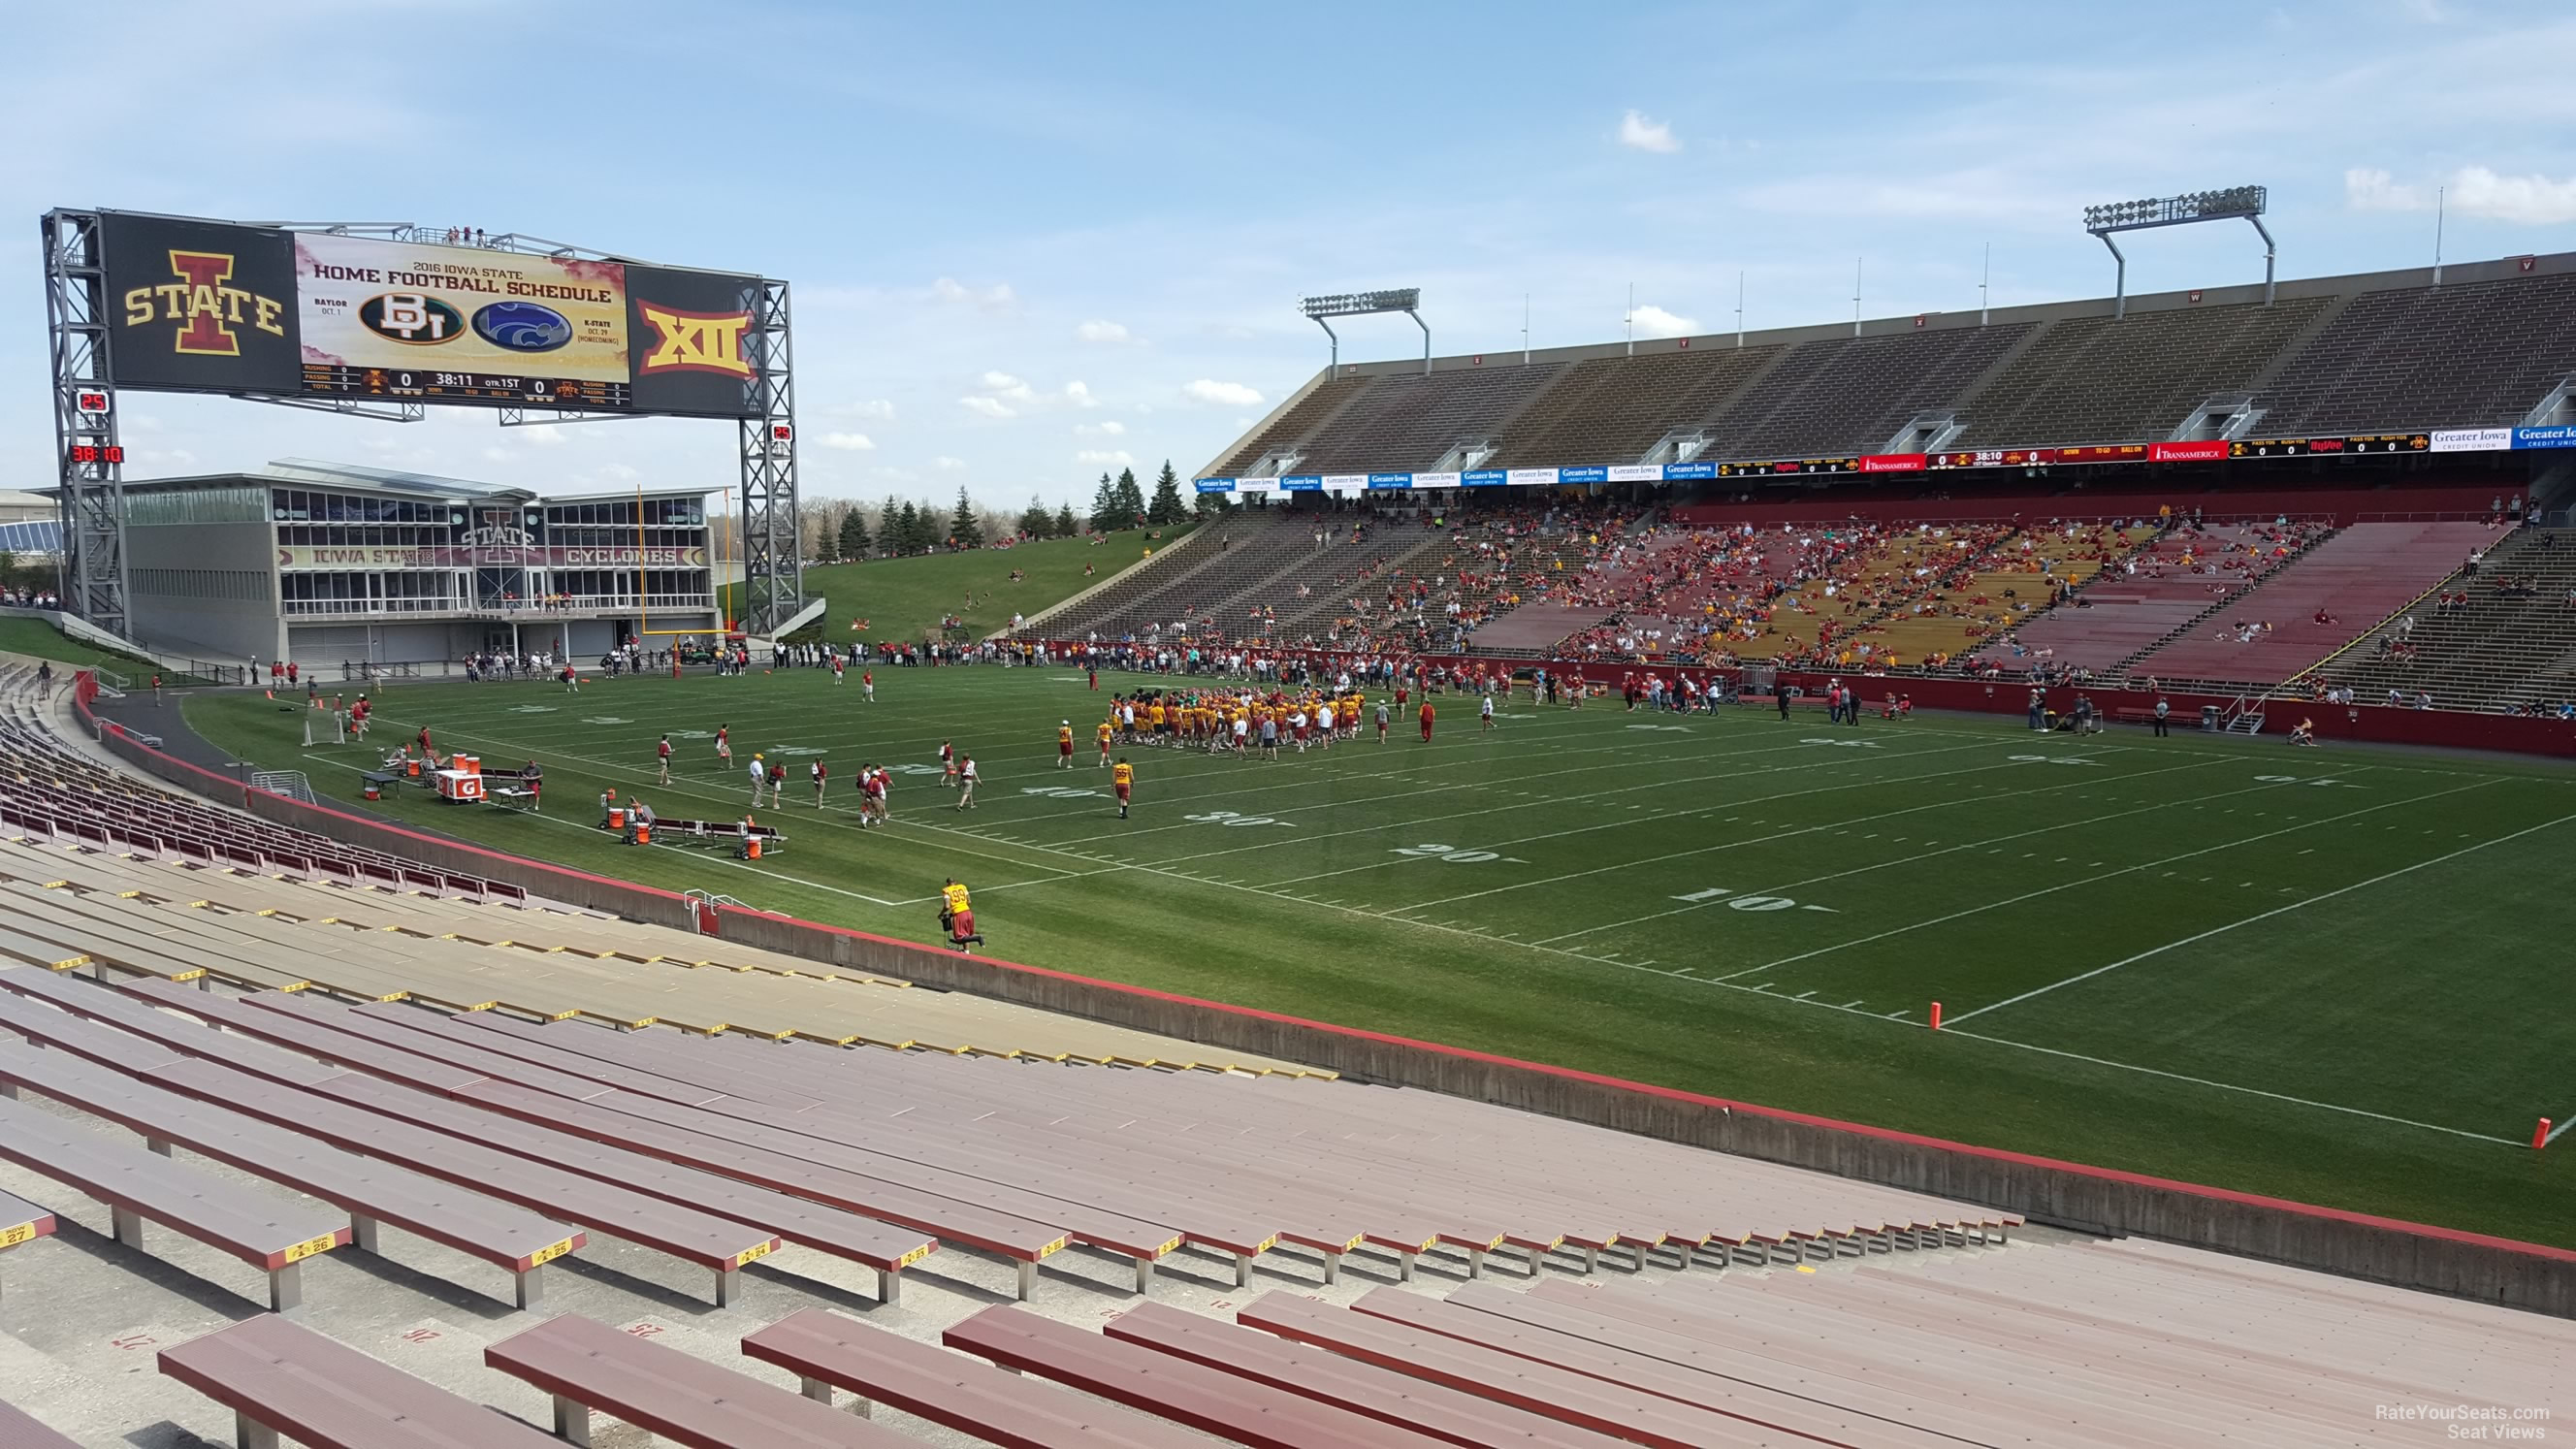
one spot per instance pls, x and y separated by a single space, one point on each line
490 555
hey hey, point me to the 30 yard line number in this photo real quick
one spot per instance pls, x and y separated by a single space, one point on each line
1742 902
1455 855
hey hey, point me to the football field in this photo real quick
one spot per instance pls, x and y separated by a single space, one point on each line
2333 975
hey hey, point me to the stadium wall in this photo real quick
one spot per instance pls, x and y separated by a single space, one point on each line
2409 1255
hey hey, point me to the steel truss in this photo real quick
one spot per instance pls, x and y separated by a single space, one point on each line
88 459
773 583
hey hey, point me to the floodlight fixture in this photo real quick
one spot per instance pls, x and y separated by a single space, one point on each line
1407 300
2247 203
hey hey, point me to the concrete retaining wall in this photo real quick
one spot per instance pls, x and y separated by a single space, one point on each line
2409 1255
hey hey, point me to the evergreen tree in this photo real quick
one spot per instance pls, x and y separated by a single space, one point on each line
964 528
1065 524
1167 506
890 530
1037 522
907 532
854 534
926 528
1131 499
1104 508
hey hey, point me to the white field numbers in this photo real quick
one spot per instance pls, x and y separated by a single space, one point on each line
2328 783
1454 855
1748 902
2049 760
1229 817
1840 744
1062 792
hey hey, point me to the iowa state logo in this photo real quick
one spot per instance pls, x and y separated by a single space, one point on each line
694 341
208 309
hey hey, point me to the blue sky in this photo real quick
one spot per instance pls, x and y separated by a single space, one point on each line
1029 242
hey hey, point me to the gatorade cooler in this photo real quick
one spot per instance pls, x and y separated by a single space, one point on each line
372 792
643 833
617 817
470 764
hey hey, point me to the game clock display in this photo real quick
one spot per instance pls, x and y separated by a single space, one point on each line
434 385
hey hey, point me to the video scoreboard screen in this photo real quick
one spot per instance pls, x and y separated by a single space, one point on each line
214 306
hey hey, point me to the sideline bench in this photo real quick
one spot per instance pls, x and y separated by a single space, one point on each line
22 1430
139 1187
280 1378
827 1351
372 1191
1186 1393
590 1366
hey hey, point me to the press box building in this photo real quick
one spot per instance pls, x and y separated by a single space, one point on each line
325 563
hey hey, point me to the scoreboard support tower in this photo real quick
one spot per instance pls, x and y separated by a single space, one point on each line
88 459
773 559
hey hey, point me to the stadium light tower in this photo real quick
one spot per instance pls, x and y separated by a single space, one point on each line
2248 202
1407 300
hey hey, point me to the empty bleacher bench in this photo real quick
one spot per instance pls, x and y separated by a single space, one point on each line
279 1378
827 1351
373 1191
21 1222
138 1187
590 1366
22 1430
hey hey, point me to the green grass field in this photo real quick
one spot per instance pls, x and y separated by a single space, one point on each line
905 598
2331 975
40 640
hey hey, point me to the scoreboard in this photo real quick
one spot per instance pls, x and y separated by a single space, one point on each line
430 385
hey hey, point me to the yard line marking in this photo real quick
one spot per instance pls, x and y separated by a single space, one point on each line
2275 911
2568 1121
1303 781
1665 784
2094 880
1768 839
1948 1027
1902 860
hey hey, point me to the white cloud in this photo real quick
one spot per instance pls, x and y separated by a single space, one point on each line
991 407
1079 395
544 435
1118 458
995 298
946 464
875 409
1656 322
1639 133
1223 394
618 471
1109 429
1002 384
2472 191
2367 190
498 455
850 442
1096 330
